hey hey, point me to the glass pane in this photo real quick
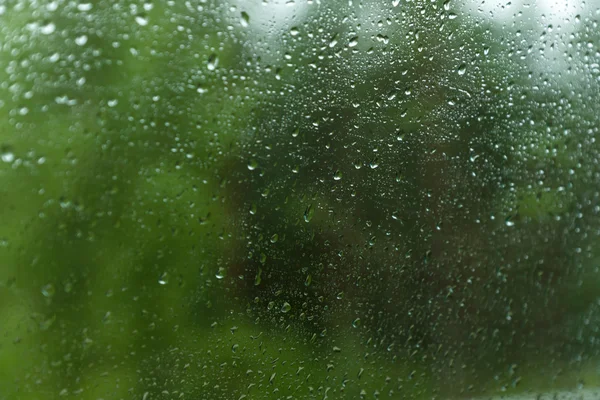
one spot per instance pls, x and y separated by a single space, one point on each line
299 199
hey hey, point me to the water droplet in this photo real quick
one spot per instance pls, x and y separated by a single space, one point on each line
447 5
333 41
48 290
274 238
164 278
141 20
84 6
353 41
294 31
113 102
578 18
308 213
235 347
258 278
462 69
244 19
337 175
356 323
308 280
395 3
7 154
286 307
48 29
221 273
252 165
213 62
81 40
201 89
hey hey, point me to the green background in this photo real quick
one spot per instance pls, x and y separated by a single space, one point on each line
211 199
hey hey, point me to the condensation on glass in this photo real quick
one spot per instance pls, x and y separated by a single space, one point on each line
299 199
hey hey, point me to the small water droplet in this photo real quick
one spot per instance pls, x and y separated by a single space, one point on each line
308 280
308 213
274 238
164 278
258 277
356 323
221 273
213 62
81 40
235 347
337 175
252 165
244 19
48 290
294 31
141 20
462 69
333 41
286 307
353 41
84 6
201 89
395 3
7 154
48 29
447 5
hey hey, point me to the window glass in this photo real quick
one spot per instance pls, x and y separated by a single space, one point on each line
299 199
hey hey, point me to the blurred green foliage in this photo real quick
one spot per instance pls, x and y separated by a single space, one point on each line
209 199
